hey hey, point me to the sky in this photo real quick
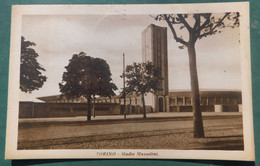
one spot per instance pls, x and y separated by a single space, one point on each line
58 37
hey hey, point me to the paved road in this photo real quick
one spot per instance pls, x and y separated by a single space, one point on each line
85 129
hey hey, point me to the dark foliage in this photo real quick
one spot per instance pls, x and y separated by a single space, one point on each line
142 78
88 77
31 77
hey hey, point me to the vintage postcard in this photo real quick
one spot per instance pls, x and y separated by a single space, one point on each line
169 81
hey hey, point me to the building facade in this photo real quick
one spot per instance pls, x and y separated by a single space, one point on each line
176 101
210 101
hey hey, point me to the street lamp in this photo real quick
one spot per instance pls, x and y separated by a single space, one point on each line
124 85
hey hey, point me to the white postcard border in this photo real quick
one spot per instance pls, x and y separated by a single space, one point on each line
13 95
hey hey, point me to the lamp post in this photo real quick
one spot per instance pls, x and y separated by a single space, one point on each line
124 85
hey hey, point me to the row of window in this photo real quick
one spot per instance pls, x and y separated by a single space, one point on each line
205 100
132 101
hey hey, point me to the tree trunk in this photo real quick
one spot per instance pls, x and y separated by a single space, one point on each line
89 109
94 112
144 109
197 117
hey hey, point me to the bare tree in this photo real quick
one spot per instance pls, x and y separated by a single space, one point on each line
198 26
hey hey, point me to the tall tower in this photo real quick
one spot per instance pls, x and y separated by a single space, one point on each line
154 49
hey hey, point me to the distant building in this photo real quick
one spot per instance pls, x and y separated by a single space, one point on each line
210 101
176 101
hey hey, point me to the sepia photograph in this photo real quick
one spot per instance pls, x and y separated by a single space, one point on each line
130 81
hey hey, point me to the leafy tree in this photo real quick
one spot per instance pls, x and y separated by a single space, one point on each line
31 77
88 77
201 25
142 78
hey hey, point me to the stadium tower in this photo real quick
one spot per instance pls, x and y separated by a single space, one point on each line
155 50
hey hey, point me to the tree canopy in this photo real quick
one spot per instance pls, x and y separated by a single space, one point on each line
88 77
31 77
199 25
142 78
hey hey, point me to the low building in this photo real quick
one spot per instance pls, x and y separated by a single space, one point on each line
176 101
211 101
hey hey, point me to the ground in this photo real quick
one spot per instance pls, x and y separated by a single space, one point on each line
223 131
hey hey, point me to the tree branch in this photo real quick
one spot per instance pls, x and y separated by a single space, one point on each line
213 29
184 22
206 22
180 40
197 21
